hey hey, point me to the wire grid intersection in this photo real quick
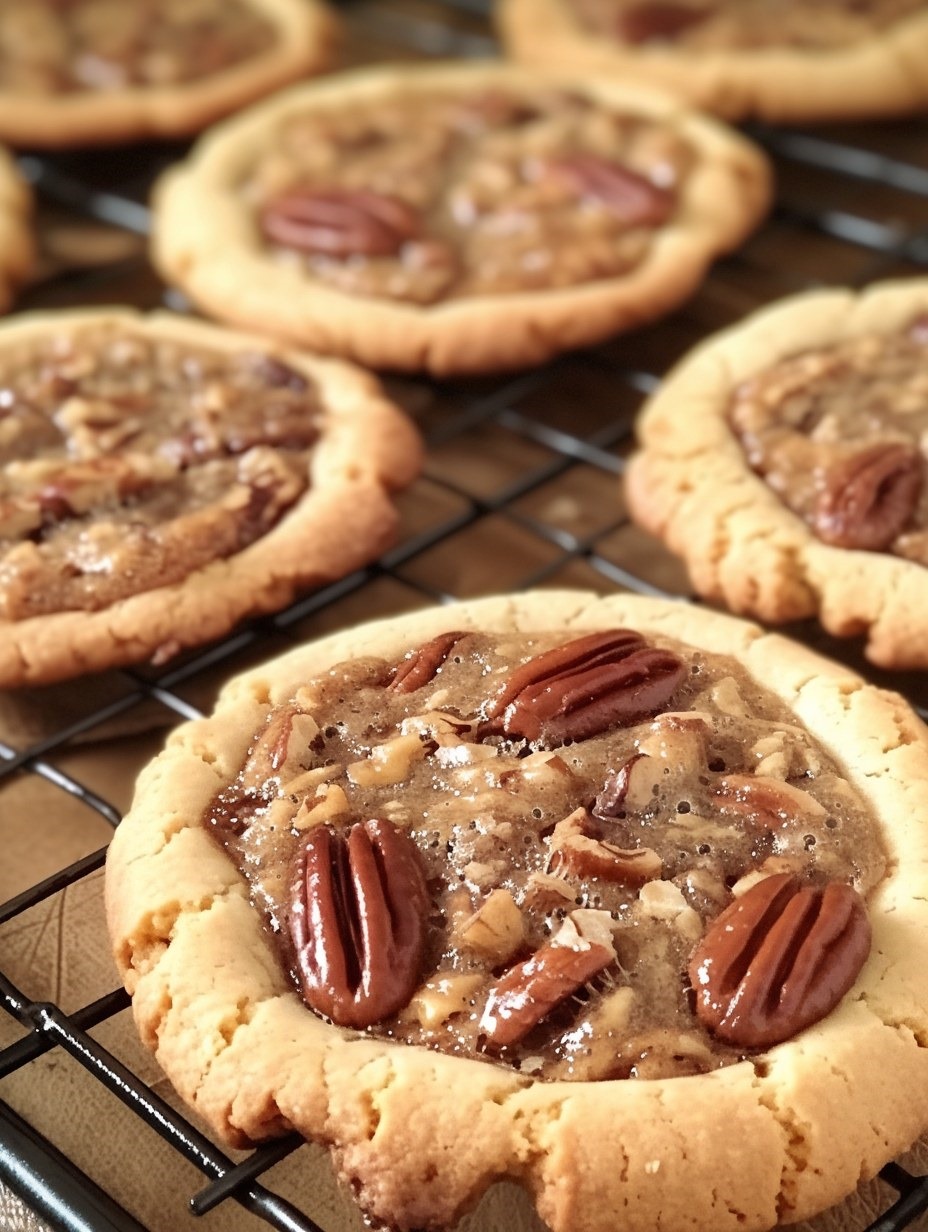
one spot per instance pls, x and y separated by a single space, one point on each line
818 169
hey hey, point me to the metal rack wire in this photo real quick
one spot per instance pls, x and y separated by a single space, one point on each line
852 207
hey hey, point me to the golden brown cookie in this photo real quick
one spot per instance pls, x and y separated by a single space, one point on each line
504 1031
163 478
97 71
780 60
454 219
784 460
16 241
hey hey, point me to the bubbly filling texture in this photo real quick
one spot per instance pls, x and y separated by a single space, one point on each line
565 862
129 461
425 197
841 435
68 46
743 25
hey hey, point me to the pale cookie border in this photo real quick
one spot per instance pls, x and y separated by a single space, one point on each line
887 75
307 34
366 449
17 243
691 485
419 1135
205 240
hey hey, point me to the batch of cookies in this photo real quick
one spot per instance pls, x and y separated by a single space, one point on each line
621 899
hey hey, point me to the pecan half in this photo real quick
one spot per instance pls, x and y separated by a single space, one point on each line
585 687
868 498
530 990
629 196
338 222
419 666
358 912
643 22
778 959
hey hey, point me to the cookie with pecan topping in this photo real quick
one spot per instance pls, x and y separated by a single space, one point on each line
90 72
16 241
356 902
161 478
455 219
786 461
779 60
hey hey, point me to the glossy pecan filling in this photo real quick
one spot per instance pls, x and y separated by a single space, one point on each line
127 462
841 435
603 857
64 46
429 197
743 25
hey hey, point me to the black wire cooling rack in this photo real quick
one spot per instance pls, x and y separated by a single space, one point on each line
520 485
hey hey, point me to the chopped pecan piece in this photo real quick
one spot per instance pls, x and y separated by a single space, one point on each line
580 689
768 804
631 197
778 959
868 498
643 23
339 223
578 850
358 913
418 667
629 787
530 990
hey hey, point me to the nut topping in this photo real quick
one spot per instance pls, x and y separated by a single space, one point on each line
629 196
869 498
766 803
577 850
418 667
778 959
357 921
580 689
338 222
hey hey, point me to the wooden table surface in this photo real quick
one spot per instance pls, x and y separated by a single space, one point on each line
522 487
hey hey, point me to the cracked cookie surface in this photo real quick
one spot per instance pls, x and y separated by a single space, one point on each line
455 219
797 490
782 61
214 999
162 478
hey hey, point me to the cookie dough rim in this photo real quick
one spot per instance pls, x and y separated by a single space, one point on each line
366 449
884 76
306 35
254 1061
17 244
692 486
224 269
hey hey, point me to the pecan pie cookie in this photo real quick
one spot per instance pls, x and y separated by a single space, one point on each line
786 462
162 478
454 219
87 72
16 243
617 898
784 60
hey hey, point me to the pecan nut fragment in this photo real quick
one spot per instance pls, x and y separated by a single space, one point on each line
420 666
663 20
778 959
765 803
530 990
358 913
631 197
339 223
585 687
868 498
578 850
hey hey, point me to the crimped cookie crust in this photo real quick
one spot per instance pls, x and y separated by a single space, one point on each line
163 478
419 1135
387 270
693 484
817 66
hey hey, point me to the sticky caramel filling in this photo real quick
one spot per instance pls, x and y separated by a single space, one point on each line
68 46
428 197
625 844
128 462
841 434
743 25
